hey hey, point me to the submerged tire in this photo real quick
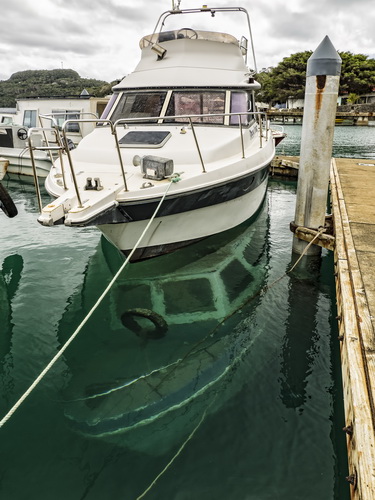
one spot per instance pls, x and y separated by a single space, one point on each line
128 319
6 203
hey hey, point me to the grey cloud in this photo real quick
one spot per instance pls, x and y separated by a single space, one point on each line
296 26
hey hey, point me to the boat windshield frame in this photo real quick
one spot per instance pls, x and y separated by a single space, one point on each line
211 10
206 106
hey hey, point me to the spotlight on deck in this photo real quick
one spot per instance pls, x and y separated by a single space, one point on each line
160 51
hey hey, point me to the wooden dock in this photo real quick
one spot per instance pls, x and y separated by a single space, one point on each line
342 118
353 207
352 188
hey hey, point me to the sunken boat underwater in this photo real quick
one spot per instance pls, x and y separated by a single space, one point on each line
182 129
180 336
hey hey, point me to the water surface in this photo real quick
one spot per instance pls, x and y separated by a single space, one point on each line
267 424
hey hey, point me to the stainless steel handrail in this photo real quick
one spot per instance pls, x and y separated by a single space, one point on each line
113 131
63 145
164 120
212 11
197 145
32 148
51 117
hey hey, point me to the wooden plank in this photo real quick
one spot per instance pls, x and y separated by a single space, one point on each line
357 350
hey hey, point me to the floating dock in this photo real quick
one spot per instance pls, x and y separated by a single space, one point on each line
352 187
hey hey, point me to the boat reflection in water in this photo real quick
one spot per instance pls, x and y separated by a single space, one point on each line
10 276
166 347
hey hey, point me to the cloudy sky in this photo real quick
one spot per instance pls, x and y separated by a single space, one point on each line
99 38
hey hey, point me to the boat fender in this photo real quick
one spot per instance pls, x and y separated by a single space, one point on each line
128 319
22 134
6 203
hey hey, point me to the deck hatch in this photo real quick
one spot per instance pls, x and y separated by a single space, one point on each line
146 139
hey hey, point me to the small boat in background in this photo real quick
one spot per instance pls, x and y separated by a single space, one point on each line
35 112
184 121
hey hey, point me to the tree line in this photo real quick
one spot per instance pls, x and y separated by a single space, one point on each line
287 79
49 83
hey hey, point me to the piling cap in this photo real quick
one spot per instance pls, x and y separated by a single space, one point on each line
325 60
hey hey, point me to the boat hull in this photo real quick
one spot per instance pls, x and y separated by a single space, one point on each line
20 162
215 212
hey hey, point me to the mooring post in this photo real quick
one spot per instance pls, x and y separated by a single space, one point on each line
322 84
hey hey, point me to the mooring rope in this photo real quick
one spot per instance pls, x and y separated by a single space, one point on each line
174 178
319 233
178 452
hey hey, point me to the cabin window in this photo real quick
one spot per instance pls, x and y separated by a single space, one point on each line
29 118
239 103
139 105
6 120
61 115
197 103
109 107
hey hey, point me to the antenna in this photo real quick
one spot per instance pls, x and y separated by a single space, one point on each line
174 6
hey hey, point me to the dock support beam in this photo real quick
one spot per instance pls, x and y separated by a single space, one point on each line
322 84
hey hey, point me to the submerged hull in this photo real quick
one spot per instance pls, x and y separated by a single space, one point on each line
161 381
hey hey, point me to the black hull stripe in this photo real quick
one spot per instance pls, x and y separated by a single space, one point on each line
193 201
210 196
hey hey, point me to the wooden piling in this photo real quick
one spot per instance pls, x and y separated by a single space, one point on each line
322 83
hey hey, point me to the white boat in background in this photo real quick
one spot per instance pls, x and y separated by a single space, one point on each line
7 116
187 113
43 111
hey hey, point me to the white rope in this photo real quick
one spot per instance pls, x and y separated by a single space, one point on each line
179 451
319 233
79 328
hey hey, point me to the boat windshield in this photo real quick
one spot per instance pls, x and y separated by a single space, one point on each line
203 106
139 105
197 103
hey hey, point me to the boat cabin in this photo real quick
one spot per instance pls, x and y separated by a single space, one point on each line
212 80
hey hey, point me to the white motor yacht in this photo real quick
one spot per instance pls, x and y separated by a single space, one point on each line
181 131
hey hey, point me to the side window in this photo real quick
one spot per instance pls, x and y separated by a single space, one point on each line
108 107
239 103
60 115
6 120
72 127
29 118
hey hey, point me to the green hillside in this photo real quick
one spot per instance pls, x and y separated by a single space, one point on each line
48 83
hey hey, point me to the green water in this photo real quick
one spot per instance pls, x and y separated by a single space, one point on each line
348 142
264 415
